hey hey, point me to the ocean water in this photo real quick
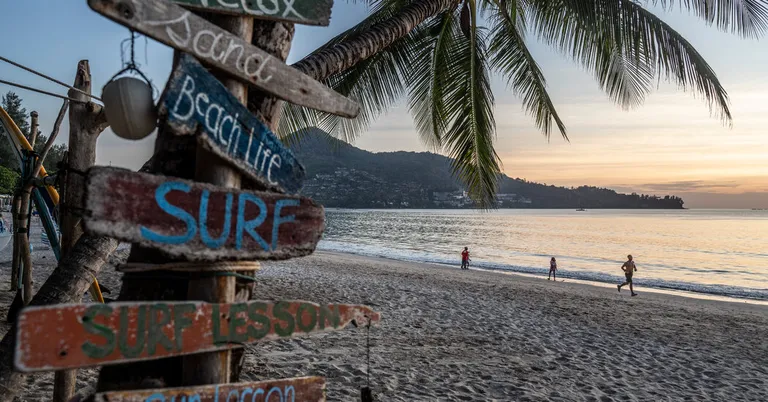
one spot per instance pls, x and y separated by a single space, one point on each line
714 252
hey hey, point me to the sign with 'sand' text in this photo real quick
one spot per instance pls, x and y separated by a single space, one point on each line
81 335
198 221
195 102
186 32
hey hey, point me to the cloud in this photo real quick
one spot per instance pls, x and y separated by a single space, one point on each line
687 185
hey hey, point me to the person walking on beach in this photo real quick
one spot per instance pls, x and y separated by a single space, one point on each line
465 259
552 269
629 269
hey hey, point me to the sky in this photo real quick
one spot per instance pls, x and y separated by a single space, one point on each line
669 145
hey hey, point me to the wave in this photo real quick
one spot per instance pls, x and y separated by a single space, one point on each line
585 275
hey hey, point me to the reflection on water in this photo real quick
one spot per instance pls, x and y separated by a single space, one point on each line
712 251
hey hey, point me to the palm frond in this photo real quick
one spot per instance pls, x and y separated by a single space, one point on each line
625 45
428 77
469 107
747 18
510 56
380 74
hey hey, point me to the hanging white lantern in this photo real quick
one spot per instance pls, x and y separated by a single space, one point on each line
129 107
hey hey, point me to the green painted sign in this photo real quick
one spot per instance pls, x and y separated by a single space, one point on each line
82 335
307 12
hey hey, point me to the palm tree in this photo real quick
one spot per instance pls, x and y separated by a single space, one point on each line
439 54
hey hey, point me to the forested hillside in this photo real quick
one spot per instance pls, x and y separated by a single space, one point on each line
340 175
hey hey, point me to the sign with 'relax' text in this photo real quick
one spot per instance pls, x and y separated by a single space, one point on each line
307 12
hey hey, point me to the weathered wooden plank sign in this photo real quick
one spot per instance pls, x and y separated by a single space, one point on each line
81 335
302 389
307 12
198 221
184 31
195 102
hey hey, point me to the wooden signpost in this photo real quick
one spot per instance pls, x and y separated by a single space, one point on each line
307 12
202 225
82 335
301 389
200 222
195 102
182 30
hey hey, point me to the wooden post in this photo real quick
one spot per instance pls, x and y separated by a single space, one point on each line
25 255
33 131
214 368
86 122
15 207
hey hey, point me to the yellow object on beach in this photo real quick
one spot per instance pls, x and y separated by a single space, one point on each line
18 139
21 143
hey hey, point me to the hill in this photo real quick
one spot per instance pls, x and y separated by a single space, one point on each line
342 176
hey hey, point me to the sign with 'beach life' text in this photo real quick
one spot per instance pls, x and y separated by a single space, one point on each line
301 389
198 221
195 102
307 12
82 335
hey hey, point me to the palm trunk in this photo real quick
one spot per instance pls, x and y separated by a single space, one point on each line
344 55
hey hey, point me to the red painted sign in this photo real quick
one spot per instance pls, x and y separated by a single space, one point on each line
303 389
81 335
198 221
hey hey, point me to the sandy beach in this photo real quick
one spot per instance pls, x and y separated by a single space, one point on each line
474 335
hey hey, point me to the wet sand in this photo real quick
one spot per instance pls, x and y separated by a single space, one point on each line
448 334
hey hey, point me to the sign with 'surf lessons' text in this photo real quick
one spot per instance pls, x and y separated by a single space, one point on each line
181 29
301 389
197 221
307 12
82 335
195 102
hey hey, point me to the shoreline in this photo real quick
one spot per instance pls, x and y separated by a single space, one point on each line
667 295
670 289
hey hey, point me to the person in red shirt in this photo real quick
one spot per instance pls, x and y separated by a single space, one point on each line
465 259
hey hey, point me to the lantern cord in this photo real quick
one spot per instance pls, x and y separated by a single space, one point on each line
131 64
48 78
13 84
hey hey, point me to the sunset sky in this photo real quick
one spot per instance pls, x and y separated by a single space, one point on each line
670 145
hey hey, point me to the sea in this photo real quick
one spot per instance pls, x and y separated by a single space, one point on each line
694 252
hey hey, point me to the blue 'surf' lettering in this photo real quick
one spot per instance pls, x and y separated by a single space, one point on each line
210 242
252 224
172 210
278 220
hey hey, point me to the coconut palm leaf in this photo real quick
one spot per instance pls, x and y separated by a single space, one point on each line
375 84
623 44
428 79
469 107
748 18
510 56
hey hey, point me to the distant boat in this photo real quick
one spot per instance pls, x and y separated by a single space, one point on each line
581 209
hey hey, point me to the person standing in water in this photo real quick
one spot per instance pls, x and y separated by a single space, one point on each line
465 258
629 269
552 269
